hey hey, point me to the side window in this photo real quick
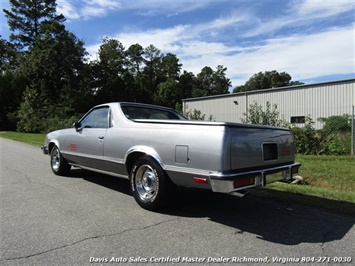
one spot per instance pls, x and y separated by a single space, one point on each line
97 118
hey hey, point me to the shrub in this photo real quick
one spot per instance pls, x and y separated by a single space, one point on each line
270 117
336 123
307 138
333 139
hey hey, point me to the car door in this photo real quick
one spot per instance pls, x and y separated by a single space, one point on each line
85 145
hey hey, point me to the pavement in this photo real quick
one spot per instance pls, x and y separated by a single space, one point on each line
91 219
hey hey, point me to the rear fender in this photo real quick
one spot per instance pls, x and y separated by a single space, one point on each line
140 150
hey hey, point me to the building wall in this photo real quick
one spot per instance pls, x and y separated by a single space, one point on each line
314 100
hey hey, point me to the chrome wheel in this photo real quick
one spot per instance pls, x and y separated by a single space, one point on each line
146 182
55 159
59 165
151 187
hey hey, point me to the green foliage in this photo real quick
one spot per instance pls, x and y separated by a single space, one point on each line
267 80
8 56
307 140
59 122
57 82
27 18
270 117
108 71
197 115
334 139
209 82
336 124
337 135
34 117
45 78
11 90
30 114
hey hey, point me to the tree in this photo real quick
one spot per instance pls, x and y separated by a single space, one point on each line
11 90
131 76
209 82
187 83
169 92
135 58
152 73
52 67
171 67
267 80
221 84
26 17
108 71
31 112
8 56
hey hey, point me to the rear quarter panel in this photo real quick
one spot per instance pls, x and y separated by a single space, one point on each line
181 148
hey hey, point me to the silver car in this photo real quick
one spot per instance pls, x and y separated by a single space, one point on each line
158 149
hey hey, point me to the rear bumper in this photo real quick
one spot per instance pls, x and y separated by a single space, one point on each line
232 183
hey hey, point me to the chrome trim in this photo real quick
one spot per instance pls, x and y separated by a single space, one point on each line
224 183
100 171
187 170
147 150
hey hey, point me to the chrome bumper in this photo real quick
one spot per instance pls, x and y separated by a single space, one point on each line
226 183
44 149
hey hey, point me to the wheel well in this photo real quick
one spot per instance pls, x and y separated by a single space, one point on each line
133 157
50 146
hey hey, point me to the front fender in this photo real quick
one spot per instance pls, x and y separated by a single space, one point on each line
51 144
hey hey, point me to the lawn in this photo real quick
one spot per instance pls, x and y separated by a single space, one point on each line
327 173
330 172
30 138
329 181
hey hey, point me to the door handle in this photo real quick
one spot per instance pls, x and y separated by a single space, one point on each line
101 137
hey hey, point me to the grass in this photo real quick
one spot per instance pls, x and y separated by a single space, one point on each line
325 176
30 138
329 181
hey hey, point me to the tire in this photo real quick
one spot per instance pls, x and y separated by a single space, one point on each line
151 187
59 165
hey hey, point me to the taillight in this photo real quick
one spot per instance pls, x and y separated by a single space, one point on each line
244 181
200 180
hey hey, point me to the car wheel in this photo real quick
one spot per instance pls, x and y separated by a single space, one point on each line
59 165
151 187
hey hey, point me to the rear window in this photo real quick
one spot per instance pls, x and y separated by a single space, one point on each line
134 112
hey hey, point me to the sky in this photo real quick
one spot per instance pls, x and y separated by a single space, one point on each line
312 40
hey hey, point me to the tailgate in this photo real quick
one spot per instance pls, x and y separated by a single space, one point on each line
257 147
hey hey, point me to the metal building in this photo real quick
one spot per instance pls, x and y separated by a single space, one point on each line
294 103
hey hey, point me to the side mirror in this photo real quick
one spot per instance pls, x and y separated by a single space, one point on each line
77 126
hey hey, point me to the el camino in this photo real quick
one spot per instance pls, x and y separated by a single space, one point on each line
158 149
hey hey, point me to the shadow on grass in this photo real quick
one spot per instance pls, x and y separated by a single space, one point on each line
342 207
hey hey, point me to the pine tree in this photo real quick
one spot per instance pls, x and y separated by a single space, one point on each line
27 17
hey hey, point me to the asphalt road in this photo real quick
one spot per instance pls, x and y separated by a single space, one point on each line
91 219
